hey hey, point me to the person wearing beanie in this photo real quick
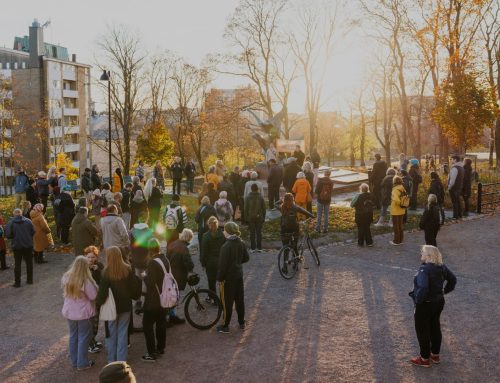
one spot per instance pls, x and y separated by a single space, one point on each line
302 190
117 372
230 276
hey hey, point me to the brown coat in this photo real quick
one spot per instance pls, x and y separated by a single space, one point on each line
43 236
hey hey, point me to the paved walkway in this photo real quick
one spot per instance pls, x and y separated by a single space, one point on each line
349 320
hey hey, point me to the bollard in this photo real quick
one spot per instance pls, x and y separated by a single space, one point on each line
479 197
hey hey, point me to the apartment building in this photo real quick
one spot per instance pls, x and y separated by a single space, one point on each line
49 99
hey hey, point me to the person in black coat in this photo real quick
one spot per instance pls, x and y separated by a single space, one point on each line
95 177
416 181
155 316
385 195
290 174
378 173
437 188
429 222
289 224
363 203
31 193
211 245
225 185
67 212
230 276
467 185
299 155
235 179
190 172
205 211
274 180
154 204
176 170
42 189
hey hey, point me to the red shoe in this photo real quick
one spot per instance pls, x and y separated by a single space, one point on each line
435 358
419 361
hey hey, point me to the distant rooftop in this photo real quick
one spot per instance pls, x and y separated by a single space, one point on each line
51 50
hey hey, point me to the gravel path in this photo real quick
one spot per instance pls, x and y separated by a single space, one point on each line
348 321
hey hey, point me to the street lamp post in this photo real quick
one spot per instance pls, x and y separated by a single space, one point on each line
106 76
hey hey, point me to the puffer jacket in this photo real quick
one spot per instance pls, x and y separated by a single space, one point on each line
302 189
386 189
396 209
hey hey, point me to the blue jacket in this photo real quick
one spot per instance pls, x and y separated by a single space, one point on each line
21 183
20 230
429 281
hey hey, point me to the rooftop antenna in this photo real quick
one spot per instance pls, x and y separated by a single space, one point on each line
46 24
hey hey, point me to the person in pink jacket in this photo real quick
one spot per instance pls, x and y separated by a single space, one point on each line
80 291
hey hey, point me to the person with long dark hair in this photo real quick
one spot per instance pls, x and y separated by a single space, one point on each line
211 244
429 222
436 187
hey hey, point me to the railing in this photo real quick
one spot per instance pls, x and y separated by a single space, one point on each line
488 197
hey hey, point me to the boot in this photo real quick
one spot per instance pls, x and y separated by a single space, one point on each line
35 257
41 258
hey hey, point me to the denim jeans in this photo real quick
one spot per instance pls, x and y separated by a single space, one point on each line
323 209
383 211
80 332
117 342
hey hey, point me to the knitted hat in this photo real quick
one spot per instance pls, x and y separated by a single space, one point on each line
301 175
232 229
116 372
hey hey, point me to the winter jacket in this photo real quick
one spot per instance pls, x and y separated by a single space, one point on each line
224 211
32 196
211 245
275 176
299 156
416 179
214 179
255 208
202 216
139 237
190 170
96 180
235 180
97 272
42 187
248 188
386 189
437 188
431 218
87 183
20 230
408 184
176 170
364 204
43 236
228 188
180 261
290 176
232 255
83 233
114 232
378 173
154 201
324 182
310 179
125 204
66 209
396 209
117 183
124 290
302 189
21 183
62 181
82 307
154 283
429 283
456 177
467 182
289 219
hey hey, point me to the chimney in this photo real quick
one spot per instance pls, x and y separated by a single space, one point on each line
73 57
36 44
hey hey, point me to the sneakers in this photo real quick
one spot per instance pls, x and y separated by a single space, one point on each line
148 358
243 325
94 349
370 245
177 320
223 329
421 362
394 243
91 363
435 359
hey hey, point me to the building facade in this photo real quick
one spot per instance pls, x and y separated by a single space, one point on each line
49 98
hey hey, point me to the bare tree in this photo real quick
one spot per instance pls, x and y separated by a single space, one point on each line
122 55
158 79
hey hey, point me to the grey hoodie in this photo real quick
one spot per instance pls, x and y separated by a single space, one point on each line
114 232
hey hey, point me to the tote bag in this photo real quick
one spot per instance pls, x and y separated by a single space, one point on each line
108 309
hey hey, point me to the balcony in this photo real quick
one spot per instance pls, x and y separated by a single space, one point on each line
76 164
57 132
70 93
71 111
55 113
72 148
69 73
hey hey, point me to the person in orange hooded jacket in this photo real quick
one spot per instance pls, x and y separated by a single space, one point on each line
302 190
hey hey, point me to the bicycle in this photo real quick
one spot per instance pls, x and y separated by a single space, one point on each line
202 307
291 255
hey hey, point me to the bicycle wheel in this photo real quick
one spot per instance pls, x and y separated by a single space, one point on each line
313 251
287 262
203 309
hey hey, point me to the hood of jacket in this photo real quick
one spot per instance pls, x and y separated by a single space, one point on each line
19 219
79 218
110 218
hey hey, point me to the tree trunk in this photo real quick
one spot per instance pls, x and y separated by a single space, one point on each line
497 142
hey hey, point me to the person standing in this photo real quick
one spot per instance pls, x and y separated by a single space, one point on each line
138 206
67 211
118 277
290 174
299 155
117 181
403 162
84 233
20 231
428 297
42 188
154 204
378 173
429 222
309 173
212 177
159 175
253 180
21 183
210 245
205 211
227 186
154 317
436 187
324 190
385 193
176 170
270 153
114 232
315 159
223 209
274 180
230 276
140 170
175 219
62 181
455 185
80 292
190 172
125 204
398 210
363 203
408 184
31 193
96 178
416 178
86 184
255 214
467 185
235 179
43 236
302 190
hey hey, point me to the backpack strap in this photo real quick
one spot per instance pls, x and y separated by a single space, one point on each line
158 260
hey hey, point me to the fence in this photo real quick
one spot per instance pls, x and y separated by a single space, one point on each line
488 197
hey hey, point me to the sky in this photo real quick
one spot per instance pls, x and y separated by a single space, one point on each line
190 28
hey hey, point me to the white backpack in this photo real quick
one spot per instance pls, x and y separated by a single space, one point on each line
172 218
169 296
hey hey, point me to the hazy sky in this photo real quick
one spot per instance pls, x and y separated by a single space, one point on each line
191 28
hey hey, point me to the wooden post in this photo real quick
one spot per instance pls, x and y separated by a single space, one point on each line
479 197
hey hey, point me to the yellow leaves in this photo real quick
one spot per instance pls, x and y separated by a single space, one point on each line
63 161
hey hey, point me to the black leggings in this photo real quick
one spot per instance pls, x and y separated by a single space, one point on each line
232 292
428 327
149 320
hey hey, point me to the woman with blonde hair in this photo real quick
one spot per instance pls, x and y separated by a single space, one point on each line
210 250
364 204
159 175
428 297
43 235
80 291
430 220
398 209
118 278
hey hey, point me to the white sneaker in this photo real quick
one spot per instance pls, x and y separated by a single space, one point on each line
379 224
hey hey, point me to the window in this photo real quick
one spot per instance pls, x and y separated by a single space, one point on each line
70 103
55 122
70 120
23 65
54 103
54 51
